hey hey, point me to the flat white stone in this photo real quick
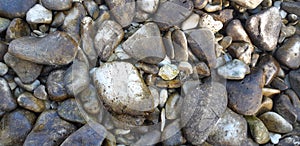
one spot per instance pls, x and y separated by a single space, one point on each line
168 72
39 14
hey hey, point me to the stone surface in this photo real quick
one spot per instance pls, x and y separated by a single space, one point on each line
274 137
264 28
207 21
58 19
276 123
8 103
15 8
201 110
290 140
121 87
16 29
4 23
191 22
92 8
236 30
122 10
200 4
245 96
266 105
28 101
15 126
69 111
57 5
150 138
3 69
289 53
284 106
49 129
107 38
249 4
172 134
168 71
40 92
3 50
231 129
295 80
234 70
57 48
148 6
241 51
56 85
29 87
258 130
146 44
173 106
291 7
180 46
225 16
39 14
202 69
88 99
270 67
26 70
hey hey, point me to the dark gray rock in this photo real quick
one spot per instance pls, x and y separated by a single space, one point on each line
123 11
172 134
291 7
270 67
58 5
289 53
8 103
69 111
56 85
15 8
16 29
28 101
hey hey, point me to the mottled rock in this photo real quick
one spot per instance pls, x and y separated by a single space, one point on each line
146 44
191 22
295 80
234 70
57 48
16 29
276 123
202 69
264 28
8 103
28 101
270 67
4 23
289 53
207 21
58 5
148 6
289 140
172 134
180 46
26 70
201 110
69 111
3 69
258 130
122 10
92 8
39 14
147 68
249 4
88 99
284 107
107 38
15 8
244 97
15 126
40 92
168 71
49 129
56 85
236 30
291 7
29 87
242 51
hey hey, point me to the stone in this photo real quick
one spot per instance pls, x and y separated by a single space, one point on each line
92 8
27 71
56 85
249 4
89 134
234 70
286 32
148 6
57 48
289 53
39 14
147 68
172 13
207 21
295 100
225 16
276 123
69 111
202 69
284 106
146 44
290 140
186 67
180 46
168 72
202 44
15 8
16 29
172 134
3 69
226 42
29 87
8 103
173 106
88 99
200 4
58 19
58 5
236 30
3 50
40 92
123 11
107 38
258 130
264 28
231 129
4 23
15 126
28 101
291 7
266 106
168 43
245 96
269 92
241 51
270 67
49 129
201 109
278 83
191 22
295 81
149 138
121 87
274 137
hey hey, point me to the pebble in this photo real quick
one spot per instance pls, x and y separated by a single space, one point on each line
92 8
58 19
258 130
276 123
202 69
226 42
285 32
268 92
291 7
3 69
147 68
49 129
148 6
89 100
180 46
29 87
16 29
241 51
186 67
207 21
122 10
264 28
274 137
68 110
200 4
146 38
249 4
295 100
8 103
15 126
58 5
270 66
173 106
121 87
27 71
172 134
290 140
234 70
39 14
213 8
57 48
15 8
295 81
244 97
236 30
40 92
4 23
284 107
191 22
150 138
168 71
56 85
289 53
278 83
168 43
29 102
225 16
266 106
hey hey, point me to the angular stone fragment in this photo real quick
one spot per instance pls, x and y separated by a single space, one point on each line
242 51
236 30
270 67
122 10
57 5
15 8
289 53
180 46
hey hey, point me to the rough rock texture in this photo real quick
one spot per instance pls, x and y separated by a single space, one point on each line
15 8
56 85
289 53
69 111
122 10
28 101
8 103
258 130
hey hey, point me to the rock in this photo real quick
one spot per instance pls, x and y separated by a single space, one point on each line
4 23
26 70
201 110
244 97
8 103
69 111
295 100
172 13
249 4
123 11
107 38
275 137
49 129
258 130
180 46
290 140
92 8
15 8
150 138
3 50
202 69
57 48
226 42
231 129
266 106
284 107
146 44
168 43
39 14
89 100
278 83
242 51
40 92
270 67
58 19
168 72
16 29
147 68
58 5
172 134
264 28
89 134
234 70
176 83
121 87
200 4
291 7
225 16
29 87
15 126
56 85
289 53
236 30
148 6
28 101
275 123
207 21
3 69
173 106
186 67
201 42
268 92
295 81
191 22
285 32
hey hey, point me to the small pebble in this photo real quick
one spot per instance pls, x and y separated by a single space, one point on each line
168 72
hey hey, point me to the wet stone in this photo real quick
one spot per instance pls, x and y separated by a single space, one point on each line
56 86
258 130
276 123
69 111
16 29
8 103
288 54
28 101
122 10
234 70
4 23
58 5
39 14
15 8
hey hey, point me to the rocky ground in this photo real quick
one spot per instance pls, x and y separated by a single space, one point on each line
149 72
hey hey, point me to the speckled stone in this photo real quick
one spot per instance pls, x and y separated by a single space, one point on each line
276 123
258 130
69 111
168 71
